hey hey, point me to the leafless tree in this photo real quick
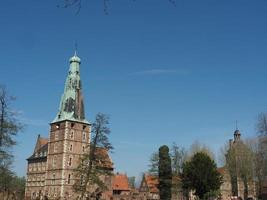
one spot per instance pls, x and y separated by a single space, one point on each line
240 165
259 162
262 124
197 147
260 148
9 127
78 4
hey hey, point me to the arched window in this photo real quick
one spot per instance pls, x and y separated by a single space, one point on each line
69 179
56 135
53 179
70 161
55 147
84 136
54 161
82 179
70 147
71 134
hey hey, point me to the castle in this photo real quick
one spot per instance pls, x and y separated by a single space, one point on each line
51 167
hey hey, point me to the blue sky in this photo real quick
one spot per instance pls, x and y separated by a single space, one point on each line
164 74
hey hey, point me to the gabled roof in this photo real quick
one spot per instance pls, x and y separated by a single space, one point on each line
120 182
221 170
40 142
152 183
40 147
106 162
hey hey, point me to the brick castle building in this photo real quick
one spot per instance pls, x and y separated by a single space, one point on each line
51 167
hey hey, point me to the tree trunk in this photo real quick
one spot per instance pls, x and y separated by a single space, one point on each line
2 122
92 153
245 181
234 185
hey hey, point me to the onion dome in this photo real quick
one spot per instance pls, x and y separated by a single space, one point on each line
75 58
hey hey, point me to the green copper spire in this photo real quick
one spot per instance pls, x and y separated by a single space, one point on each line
71 105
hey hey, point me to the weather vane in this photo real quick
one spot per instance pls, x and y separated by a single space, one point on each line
76 47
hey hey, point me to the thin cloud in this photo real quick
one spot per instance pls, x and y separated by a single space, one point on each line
161 72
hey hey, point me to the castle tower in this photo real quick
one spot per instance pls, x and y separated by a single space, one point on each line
237 135
68 139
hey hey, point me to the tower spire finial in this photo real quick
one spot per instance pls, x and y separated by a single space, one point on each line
75 48
71 105
75 57
236 125
237 133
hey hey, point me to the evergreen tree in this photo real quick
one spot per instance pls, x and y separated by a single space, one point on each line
178 156
165 173
200 175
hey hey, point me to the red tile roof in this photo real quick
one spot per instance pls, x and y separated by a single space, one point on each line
152 183
43 141
104 157
40 143
221 170
120 182
40 147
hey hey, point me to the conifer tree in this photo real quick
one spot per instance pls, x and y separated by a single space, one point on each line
200 175
92 165
165 173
